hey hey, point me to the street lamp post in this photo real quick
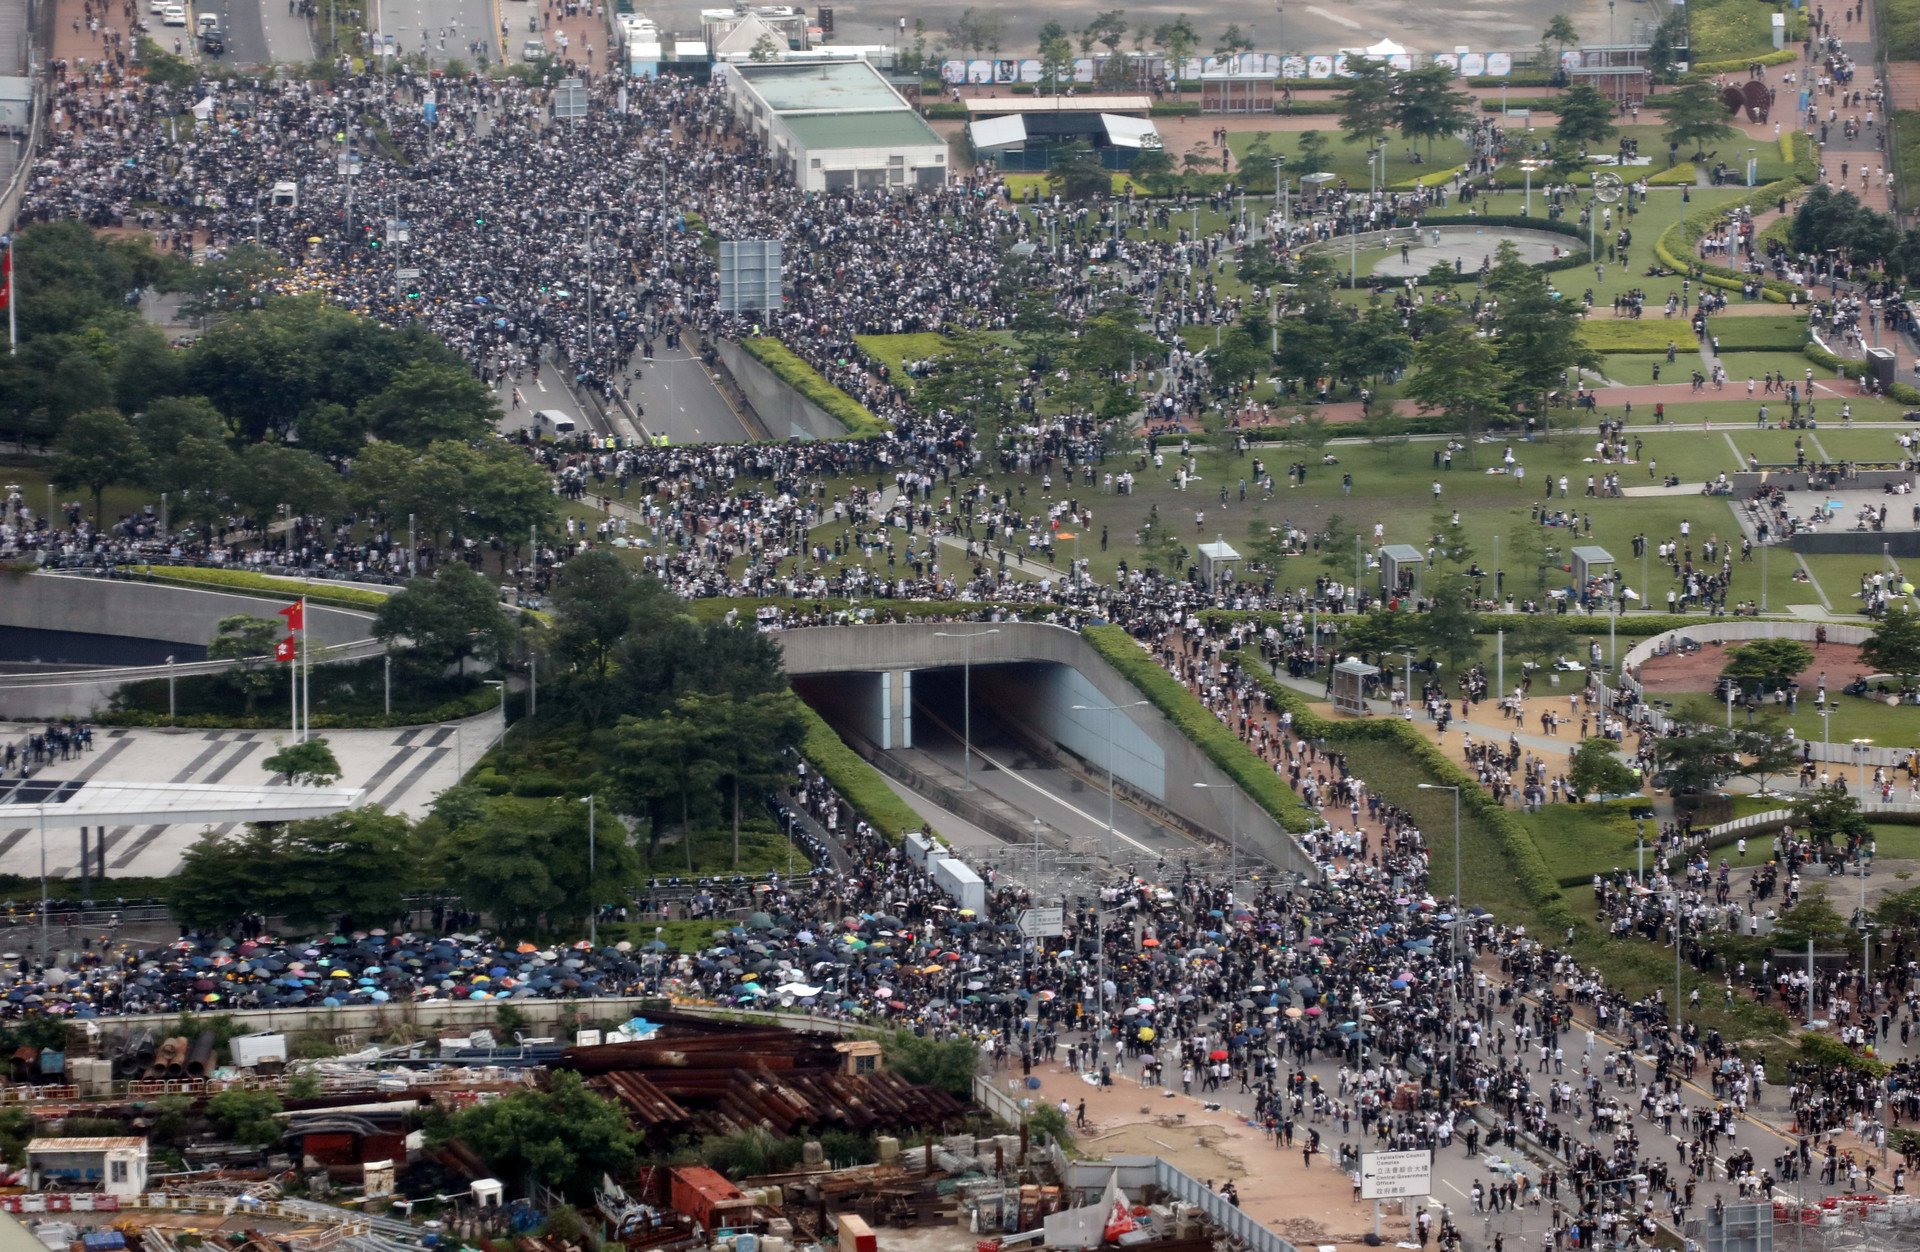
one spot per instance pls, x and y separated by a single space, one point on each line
1860 747
1233 829
1109 710
1459 904
966 699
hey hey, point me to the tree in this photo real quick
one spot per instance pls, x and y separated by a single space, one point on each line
561 1136
1374 347
428 402
977 30
447 619
1538 334
1894 646
1765 750
1696 117
1586 116
751 744
1367 106
273 476
1541 638
250 641
145 367
1233 40
1428 106
974 375
1766 664
1108 28
1177 39
347 868
766 48
524 862
1077 174
1377 634
1313 154
247 1116
1449 625
1830 818
1560 32
663 772
1238 360
1458 372
96 450
596 603
1697 757
1597 770
310 761
1153 169
948 1064
1663 53
1056 64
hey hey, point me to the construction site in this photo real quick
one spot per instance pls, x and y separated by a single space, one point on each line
350 1150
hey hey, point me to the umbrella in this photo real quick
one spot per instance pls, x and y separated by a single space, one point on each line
1218 1054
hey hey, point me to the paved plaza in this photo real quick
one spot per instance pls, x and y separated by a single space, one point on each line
400 769
1467 249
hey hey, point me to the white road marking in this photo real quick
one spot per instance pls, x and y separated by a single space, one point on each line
1347 22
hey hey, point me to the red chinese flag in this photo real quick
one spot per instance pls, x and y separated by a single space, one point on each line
296 614
6 277
284 650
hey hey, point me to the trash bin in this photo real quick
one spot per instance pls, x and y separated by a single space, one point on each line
1880 367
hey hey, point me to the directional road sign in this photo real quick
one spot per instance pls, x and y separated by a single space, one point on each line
1390 1175
1043 923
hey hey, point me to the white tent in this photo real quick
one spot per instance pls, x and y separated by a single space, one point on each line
1386 48
203 111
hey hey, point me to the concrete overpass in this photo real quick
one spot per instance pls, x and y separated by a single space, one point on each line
897 691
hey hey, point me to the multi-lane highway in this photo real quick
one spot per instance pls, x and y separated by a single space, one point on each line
445 30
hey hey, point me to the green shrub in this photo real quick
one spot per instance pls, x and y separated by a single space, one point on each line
270 584
1674 247
1681 175
858 783
1539 104
1209 734
803 378
1175 108
1709 69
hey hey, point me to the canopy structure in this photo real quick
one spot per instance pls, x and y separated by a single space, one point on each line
1386 48
68 804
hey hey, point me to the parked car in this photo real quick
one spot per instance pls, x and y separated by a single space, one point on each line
213 40
173 15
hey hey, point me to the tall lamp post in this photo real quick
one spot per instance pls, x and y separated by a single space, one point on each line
966 699
1860 747
1233 828
1109 710
1459 904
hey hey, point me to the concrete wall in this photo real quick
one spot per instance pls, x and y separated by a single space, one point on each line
105 606
783 411
834 650
1048 694
186 616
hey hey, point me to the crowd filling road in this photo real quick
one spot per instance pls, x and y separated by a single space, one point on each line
1353 1007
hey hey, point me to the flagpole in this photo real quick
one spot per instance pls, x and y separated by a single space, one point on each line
13 322
306 676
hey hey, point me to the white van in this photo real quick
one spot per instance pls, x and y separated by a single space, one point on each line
553 422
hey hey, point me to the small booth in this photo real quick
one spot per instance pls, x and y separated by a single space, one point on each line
286 195
1223 91
1400 568
1350 679
1216 563
1591 563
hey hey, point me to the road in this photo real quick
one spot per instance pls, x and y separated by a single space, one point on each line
259 32
442 29
677 398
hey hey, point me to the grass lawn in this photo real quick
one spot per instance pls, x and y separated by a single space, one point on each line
1899 843
1637 368
1346 160
29 477
1023 187
1852 718
894 351
1726 30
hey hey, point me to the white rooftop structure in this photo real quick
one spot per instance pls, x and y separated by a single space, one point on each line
68 804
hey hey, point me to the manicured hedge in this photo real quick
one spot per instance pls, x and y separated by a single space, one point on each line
945 111
281 588
1634 625
1209 734
859 420
1709 69
1674 247
1439 178
1175 108
1516 841
859 783
1900 393
1539 104
1635 335
1681 175
485 700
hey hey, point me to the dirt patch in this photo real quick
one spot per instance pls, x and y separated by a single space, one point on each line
1199 1150
1672 674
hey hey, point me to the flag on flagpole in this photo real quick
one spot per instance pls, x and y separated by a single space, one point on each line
284 650
6 270
296 614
